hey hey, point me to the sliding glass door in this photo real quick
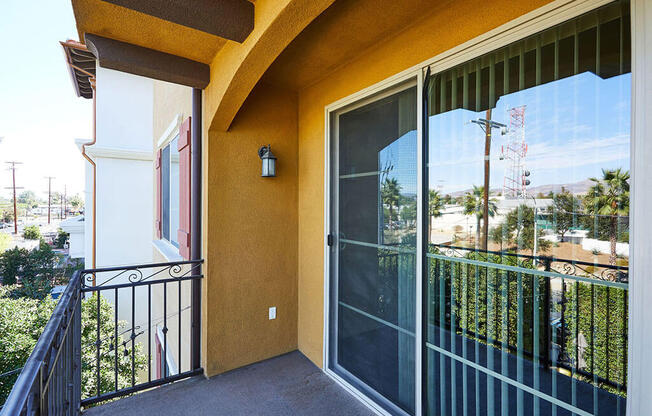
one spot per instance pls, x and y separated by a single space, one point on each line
524 220
374 204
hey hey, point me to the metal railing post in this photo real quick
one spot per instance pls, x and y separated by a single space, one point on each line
195 223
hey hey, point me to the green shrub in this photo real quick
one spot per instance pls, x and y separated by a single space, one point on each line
23 319
38 270
61 239
32 232
11 264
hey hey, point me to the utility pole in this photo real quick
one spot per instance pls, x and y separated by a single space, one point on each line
64 201
487 124
13 174
49 178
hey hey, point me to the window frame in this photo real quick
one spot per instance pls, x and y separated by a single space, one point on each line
168 248
170 238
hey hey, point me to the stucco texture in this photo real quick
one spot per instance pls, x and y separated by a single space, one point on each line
251 235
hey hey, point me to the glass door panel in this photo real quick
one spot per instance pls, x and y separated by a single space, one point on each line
374 217
528 177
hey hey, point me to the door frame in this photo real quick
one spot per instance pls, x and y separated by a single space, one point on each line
549 15
410 80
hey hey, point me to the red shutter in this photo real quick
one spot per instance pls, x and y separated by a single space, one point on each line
158 194
183 235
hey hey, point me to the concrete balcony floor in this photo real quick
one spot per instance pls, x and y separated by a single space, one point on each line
286 385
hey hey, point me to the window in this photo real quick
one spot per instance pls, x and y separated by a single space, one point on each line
173 179
170 192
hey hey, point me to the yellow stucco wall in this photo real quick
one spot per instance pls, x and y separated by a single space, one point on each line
443 29
251 235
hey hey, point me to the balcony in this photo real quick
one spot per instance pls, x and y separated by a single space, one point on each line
553 327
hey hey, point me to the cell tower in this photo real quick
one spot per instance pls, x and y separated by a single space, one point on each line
513 153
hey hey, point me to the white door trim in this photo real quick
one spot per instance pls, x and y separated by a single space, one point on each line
639 389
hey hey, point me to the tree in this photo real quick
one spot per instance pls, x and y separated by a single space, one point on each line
32 232
76 202
609 197
409 210
474 206
6 216
391 196
61 239
22 321
498 235
55 198
520 225
38 270
435 205
563 211
28 198
11 263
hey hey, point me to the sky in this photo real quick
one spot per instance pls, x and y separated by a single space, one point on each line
40 114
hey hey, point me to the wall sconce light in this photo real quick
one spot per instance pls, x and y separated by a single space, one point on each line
269 161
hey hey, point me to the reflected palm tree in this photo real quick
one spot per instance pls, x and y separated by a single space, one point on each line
474 205
391 197
610 197
435 205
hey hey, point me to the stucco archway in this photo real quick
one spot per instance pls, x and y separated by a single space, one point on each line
236 69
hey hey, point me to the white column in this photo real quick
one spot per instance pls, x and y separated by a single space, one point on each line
639 388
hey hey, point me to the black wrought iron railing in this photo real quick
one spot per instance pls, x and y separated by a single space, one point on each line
115 331
50 382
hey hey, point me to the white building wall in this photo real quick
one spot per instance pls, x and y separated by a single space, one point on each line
125 105
123 154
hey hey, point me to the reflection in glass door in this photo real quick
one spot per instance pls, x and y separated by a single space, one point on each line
373 267
528 171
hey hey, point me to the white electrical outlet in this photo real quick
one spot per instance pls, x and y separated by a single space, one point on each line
272 312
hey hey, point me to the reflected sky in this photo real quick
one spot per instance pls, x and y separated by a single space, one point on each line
574 128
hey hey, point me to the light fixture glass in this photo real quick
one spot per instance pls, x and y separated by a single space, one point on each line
269 161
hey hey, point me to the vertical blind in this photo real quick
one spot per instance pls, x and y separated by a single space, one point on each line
598 42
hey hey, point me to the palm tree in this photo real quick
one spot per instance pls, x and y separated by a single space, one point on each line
473 205
391 196
435 204
610 197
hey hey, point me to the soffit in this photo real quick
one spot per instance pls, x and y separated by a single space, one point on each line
340 34
123 24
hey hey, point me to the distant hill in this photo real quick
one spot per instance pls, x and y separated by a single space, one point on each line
580 187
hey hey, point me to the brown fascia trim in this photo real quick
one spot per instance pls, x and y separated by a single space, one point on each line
150 63
229 19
